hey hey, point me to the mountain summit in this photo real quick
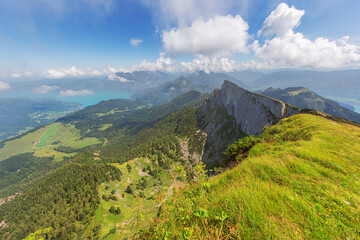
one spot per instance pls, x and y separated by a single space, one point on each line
233 112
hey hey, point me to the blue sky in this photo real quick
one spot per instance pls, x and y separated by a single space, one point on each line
58 38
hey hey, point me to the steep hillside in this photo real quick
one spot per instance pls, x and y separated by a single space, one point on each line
304 98
298 180
233 112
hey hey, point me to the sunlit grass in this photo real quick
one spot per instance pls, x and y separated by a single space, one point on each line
42 142
136 213
283 190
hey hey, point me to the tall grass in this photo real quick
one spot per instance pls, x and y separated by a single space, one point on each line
288 187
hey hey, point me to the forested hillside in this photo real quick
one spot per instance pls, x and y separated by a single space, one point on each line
154 135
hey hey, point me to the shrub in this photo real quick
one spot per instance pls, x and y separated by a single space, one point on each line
106 198
129 190
142 195
128 167
117 211
113 197
240 149
112 209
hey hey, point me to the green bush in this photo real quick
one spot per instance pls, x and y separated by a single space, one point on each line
112 209
112 231
240 149
129 190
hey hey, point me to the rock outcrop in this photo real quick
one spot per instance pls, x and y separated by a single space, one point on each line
233 112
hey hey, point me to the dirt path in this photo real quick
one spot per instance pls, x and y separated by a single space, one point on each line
170 191
141 173
97 155
8 198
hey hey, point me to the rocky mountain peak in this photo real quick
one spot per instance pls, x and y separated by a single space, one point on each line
233 112
251 111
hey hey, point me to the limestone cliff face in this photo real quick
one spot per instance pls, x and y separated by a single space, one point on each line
233 112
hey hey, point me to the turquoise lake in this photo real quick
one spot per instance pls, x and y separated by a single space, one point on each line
85 100
357 109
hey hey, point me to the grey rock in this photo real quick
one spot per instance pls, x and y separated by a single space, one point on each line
233 112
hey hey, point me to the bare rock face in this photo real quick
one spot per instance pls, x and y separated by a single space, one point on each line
233 112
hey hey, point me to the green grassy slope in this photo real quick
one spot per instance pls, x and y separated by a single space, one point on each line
286 188
43 141
136 212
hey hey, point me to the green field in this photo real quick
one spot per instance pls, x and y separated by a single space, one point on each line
23 144
43 141
287 188
136 213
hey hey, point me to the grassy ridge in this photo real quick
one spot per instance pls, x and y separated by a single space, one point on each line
287 188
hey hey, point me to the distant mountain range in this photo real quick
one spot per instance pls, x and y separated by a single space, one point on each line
341 85
200 81
119 81
304 98
333 83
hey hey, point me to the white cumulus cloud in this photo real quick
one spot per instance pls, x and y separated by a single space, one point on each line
163 63
135 42
281 21
22 74
45 88
221 35
4 86
70 93
289 49
63 72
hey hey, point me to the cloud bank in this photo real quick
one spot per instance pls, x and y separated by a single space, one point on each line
45 88
71 93
63 72
23 74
